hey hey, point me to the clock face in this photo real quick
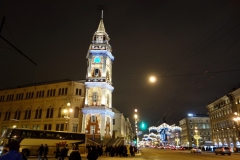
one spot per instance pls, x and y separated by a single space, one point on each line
97 59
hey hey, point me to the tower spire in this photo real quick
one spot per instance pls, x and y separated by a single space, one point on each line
102 15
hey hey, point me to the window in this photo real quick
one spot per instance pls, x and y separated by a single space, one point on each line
66 91
17 114
47 126
24 126
92 129
78 91
38 114
93 119
96 72
76 112
59 127
7 115
49 112
113 121
60 113
27 114
95 97
36 126
75 127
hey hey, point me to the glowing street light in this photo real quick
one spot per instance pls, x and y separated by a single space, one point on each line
197 137
135 116
152 79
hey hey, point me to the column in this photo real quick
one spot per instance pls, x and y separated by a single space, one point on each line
84 123
103 122
86 97
104 66
103 101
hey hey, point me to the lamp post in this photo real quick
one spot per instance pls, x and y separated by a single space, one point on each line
136 120
67 116
196 136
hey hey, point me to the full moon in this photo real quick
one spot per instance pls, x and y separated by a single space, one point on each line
152 79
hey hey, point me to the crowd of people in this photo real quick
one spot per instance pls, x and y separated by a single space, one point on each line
11 152
113 151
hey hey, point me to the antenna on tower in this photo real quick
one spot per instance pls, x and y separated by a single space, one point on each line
102 8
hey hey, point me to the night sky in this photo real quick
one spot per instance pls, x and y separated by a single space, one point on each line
192 46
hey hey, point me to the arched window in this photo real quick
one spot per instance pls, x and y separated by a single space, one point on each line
17 114
76 112
27 114
51 113
47 115
7 115
60 112
38 114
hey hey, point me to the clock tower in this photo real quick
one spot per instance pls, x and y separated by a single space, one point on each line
97 111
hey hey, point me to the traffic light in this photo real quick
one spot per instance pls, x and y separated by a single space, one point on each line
143 125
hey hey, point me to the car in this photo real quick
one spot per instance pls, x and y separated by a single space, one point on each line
181 148
196 150
223 151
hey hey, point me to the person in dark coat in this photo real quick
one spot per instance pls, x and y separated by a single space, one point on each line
40 152
63 153
57 151
13 153
45 152
93 154
75 155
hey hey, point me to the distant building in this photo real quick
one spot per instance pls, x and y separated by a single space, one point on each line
195 124
43 106
225 131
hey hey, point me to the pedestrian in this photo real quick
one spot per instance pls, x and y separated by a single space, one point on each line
93 154
5 149
45 152
40 152
63 153
75 154
13 153
57 151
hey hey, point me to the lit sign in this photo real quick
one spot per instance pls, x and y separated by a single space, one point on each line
190 114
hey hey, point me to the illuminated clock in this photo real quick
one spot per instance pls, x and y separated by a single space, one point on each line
97 59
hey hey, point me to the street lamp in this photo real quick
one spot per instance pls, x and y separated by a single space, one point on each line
196 136
67 116
152 79
136 120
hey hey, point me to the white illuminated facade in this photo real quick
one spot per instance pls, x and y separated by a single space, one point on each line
97 112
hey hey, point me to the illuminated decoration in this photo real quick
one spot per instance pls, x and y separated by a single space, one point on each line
97 59
98 110
102 53
97 84
162 132
190 114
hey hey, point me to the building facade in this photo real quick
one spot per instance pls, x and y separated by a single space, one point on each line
97 111
43 106
193 125
225 131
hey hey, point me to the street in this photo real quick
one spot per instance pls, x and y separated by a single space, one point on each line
162 154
